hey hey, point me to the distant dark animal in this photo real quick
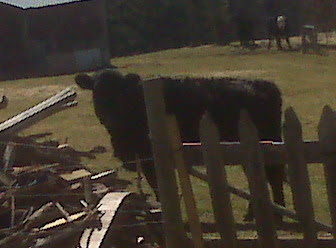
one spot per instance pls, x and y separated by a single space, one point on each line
120 107
278 28
245 29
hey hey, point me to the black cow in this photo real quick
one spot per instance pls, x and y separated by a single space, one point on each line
245 27
278 28
119 104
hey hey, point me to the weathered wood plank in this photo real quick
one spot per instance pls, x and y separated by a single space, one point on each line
61 233
276 208
76 175
220 195
298 177
39 216
327 137
171 211
186 187
63 211
254 169
9 156
12 210
108 206
54 104
272 152
87 190
8 159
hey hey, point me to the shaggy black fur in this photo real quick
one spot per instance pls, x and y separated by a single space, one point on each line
119 104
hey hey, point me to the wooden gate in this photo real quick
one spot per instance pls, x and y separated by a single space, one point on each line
170 153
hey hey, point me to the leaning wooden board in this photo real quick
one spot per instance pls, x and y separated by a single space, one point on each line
25 119
108 206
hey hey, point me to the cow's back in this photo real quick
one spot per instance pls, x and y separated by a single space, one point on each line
224 99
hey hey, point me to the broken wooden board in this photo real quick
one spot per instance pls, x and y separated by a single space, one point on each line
108 206
62 221
103 174
75 175
56 103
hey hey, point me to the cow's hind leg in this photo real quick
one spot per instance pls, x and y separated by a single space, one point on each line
249 216
276 177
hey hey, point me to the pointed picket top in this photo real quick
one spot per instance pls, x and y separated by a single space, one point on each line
292 127
327 138
173 226
185 183
218 186
299 177
327 129
325 119
253 165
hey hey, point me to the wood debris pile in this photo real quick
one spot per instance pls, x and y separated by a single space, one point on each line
49 199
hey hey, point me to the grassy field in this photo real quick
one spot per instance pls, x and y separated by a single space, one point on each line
307 82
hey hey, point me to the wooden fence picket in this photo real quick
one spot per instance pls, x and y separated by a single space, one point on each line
327 137
254 168
186 187
171 210
299 177
220 195
168 151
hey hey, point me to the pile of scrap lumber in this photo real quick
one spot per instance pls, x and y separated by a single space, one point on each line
49 199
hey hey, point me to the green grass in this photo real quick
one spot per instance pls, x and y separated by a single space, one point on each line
308 82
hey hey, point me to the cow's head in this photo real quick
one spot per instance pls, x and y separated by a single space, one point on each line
84 81
281 22
109 78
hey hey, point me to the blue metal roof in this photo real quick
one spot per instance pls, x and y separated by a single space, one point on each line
30 4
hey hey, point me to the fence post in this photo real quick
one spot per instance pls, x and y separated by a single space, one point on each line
218 185
185 183
171 211
299 177
254 168
327 137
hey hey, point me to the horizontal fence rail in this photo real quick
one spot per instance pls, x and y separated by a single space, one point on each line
254 156
274 152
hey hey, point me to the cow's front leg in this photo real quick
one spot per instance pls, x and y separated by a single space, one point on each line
278 41
288 43
269 43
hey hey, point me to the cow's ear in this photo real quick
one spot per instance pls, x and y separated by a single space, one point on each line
84 81
132 77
